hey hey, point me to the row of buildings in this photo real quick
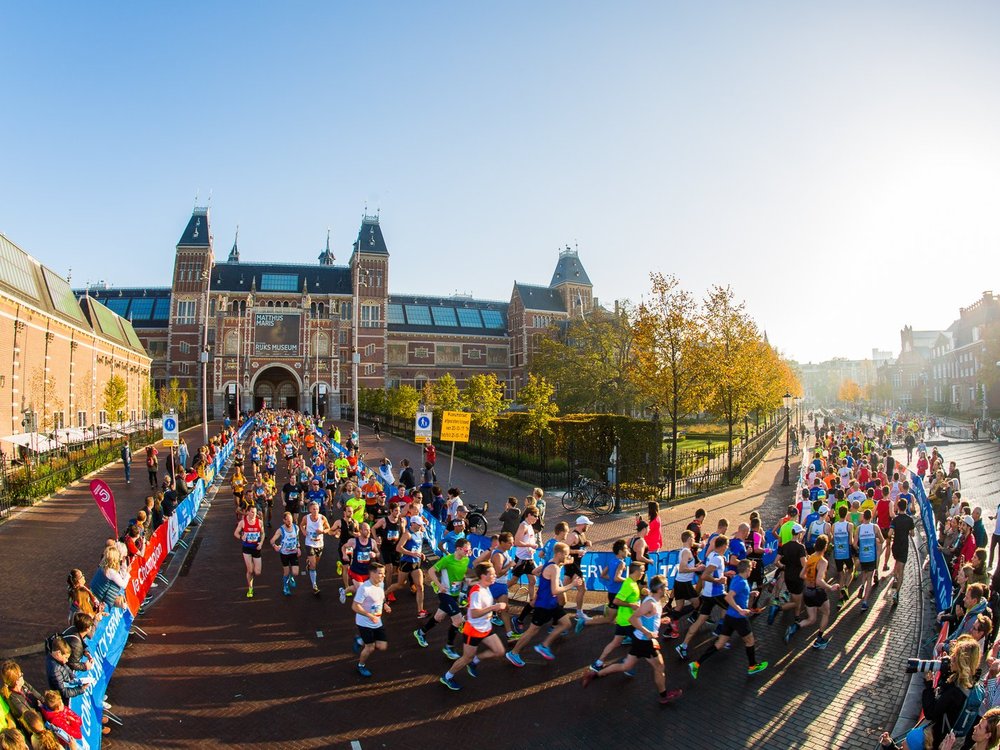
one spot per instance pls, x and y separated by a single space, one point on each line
284 333
940 371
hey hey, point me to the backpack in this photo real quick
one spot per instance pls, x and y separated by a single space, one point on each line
970 712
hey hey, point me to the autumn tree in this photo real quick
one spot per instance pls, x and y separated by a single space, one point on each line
115 396
732 343
403 401
591 363
43 399
849 391
483 396
670 345
150 401
536 398
442 394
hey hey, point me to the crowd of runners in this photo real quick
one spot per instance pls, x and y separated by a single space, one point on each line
847 536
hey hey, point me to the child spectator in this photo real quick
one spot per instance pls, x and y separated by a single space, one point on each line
61 676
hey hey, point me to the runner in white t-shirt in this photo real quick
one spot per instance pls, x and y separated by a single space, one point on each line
369 604
478 628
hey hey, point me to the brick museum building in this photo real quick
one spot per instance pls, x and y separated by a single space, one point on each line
57 354
282 333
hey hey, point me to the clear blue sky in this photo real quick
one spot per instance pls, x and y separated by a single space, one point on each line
846 154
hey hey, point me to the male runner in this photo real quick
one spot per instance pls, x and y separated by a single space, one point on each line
369 604
626 602
869 541
314 528
359 552
735 621
713 579
453 569
478 629
645 622
815 595
900 531
547 607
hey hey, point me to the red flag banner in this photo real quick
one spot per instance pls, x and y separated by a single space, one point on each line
105 501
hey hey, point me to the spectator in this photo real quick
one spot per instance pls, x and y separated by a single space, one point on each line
75 636
11 739
966 548
182 453
695 526
654 540
454 503
943 704
979 528
510 519
407 478
539 495
81 598
20 696
168 503
152 464
109 583
48 740
135 542
60 716
61 677
127 461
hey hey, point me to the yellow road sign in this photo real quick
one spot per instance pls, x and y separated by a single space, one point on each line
455 426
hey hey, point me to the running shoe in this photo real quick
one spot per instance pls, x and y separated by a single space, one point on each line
343 595
340 568
450 653
757 668
544 652
595 667
693 669
449 683
671 696
629 673
512 636
711 623
316 590
790 631
514 659
772 613
682 650
821 643
422 613
250 593
285 590
497 620
420 638
463 603
364 671
673 632
864 604
291 582
581 622
717 631
588 677
472 669
895 598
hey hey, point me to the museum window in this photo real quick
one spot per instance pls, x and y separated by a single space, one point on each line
370 316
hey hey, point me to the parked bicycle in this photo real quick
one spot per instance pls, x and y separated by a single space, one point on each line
597 496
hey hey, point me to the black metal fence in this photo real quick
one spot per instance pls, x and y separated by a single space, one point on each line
634 477
24 481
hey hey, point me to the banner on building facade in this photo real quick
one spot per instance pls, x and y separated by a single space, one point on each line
276 334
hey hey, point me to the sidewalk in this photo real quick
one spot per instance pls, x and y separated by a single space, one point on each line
42 543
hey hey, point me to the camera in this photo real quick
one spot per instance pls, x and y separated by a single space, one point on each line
926 665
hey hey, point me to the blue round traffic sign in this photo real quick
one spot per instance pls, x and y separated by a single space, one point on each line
423 422
169 424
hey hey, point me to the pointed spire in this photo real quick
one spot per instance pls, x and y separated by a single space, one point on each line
234 254
326 257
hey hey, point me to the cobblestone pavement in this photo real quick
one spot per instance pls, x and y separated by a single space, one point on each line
277 671
41 544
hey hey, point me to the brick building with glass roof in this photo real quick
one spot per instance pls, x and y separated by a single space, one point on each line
282 334
58 354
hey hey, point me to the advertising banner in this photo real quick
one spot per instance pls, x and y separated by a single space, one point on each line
143 569
101 493
940 575
276 334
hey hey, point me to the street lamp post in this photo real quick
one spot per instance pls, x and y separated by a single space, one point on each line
787 401
207 275
355 350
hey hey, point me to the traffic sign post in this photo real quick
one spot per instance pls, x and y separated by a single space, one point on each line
455 427
171 432
423 427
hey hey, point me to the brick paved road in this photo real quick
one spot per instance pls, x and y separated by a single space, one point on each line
219 669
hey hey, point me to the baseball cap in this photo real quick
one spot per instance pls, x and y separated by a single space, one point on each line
580 520
824 509
417 519
969 520
797 529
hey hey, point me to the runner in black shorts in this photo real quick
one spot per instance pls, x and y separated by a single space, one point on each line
578 547
900 532
791 559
